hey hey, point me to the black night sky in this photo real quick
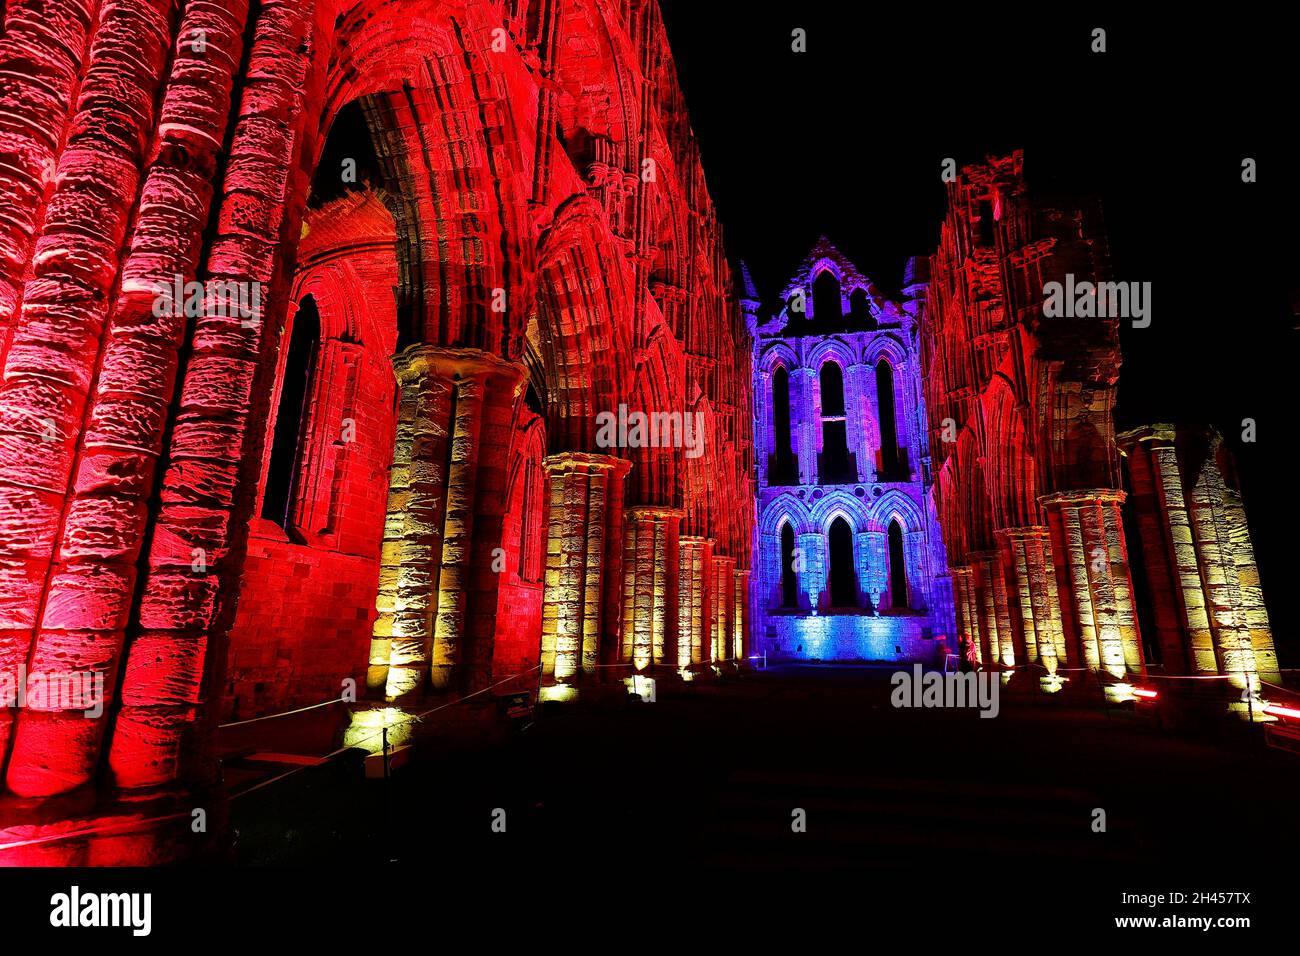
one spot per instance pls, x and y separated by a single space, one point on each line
847 140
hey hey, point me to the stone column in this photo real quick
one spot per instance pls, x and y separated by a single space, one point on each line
650 587
586 495
963 587
402 643
724 606
1034 594
693 613
1252 611
502 390
991 608
812 580
1092 571
1243 641
425 578
740 631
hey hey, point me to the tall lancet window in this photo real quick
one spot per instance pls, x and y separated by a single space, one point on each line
291 414
897 566
843 576
890 463
836 465
789 576
827 305
782 467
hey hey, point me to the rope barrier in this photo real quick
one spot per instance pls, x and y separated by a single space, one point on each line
286 713
230 798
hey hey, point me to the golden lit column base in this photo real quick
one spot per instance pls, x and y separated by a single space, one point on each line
694 613
585 493
650 565
741 625
963 592
402 636
1088 538
368 727
1178 609
724 608
991 610
1035 594
1214 621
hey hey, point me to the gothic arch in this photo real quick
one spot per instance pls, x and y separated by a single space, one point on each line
838 503
893 504
583 310
826 287
833 348
887 347
778 353
786 507
462 190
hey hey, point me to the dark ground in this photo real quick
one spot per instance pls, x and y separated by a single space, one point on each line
946 802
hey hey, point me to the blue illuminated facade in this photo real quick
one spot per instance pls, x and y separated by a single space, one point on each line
849 563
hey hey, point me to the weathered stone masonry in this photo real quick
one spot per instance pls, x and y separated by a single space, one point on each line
390 464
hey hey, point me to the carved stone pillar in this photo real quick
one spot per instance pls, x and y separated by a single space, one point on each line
740 629
1034 594
963 588
694 615
1093 574
425 578
724 607
1209 610
401 647
650 586
586 497
992 609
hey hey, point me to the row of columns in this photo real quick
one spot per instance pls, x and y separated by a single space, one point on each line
1056 596
1208 607
622 586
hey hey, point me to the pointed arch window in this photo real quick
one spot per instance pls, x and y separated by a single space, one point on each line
289 437
782 468
843 575
860 309
891 463
789 577
836 465
828 307
897 567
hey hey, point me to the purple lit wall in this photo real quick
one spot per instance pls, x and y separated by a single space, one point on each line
849 562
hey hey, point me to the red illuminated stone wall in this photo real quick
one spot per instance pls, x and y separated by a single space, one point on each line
524 243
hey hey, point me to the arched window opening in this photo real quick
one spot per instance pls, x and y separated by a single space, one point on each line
530 506
349 160
827 306
836 466
789 577
291 414
832 382
897 567
844 578
986 223
782 470
860 309
891 464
